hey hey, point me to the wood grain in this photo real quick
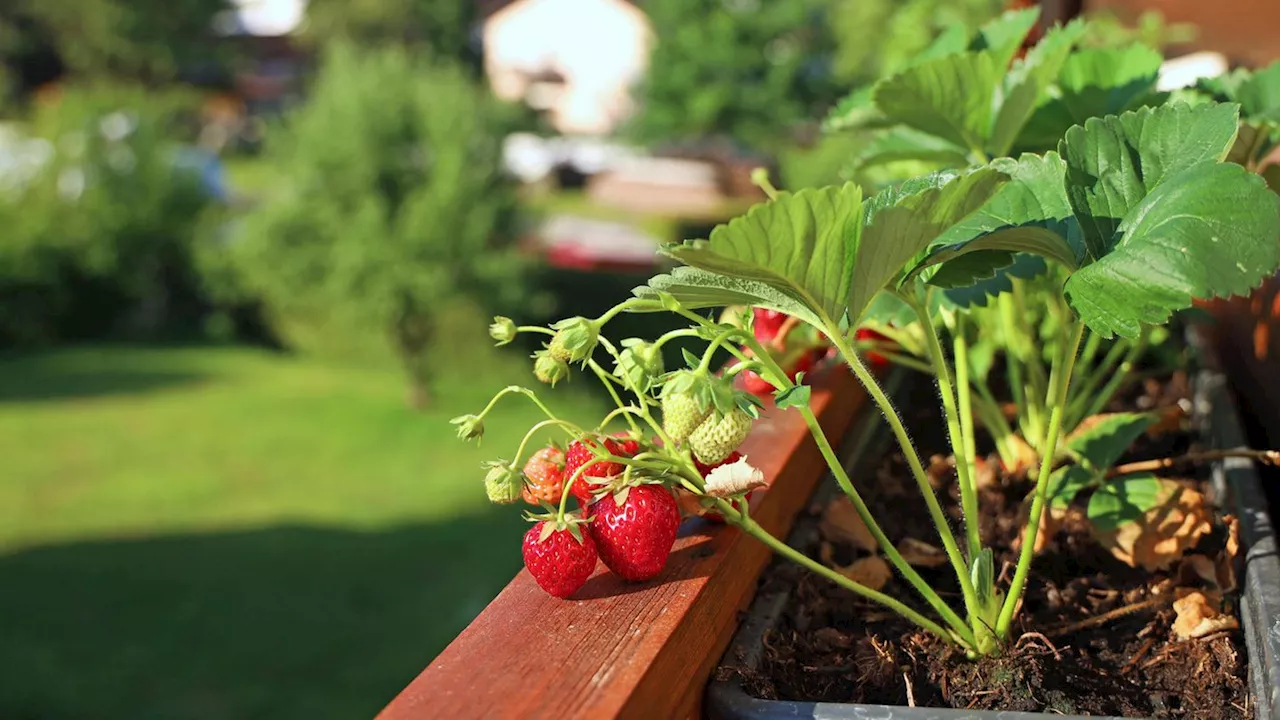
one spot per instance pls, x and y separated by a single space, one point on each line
631 650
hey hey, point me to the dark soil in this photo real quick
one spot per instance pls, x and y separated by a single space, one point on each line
830 645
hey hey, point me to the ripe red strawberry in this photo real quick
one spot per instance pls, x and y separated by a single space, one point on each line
627 447
758 386
580 454
559 562
544 477
766 323
635 538
874 358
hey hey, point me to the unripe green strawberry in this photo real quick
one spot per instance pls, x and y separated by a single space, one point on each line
681 415
719 435
548 369
502 483
574 341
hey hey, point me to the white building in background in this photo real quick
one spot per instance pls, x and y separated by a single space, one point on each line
577 60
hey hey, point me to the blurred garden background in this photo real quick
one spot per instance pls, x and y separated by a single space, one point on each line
248 252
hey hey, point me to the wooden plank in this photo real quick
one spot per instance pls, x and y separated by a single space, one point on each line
631 650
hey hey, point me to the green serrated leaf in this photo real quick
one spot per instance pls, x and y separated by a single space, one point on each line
1066 482
904 143
796 396
1026 85
1116 161
696 289
1003 35
1025 266
1125 500
1029 214
1093 82
903 221
1209 231
950 97
800 245
1259 94
690 359
854 111
1102 439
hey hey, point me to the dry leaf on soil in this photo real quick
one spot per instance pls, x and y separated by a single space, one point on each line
840 522
871 571
1176 522
920 553
1199 616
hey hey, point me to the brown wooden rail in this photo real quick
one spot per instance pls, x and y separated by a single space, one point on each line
631 650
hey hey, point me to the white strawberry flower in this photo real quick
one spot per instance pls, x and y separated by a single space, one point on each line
733 478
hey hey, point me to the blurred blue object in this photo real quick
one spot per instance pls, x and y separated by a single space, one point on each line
208 166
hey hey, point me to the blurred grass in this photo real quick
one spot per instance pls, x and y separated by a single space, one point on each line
210 532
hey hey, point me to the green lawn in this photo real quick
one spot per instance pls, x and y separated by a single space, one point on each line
234 533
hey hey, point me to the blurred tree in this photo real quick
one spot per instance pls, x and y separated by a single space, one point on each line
741 69
100 218
147 40
443 26
876 37
396 204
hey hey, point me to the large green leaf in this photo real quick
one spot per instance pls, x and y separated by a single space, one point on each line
904 143
1092 83
950 97
1116 161
901 222
1259 94
696 289
1025 86
1211 230
1066 482
854 111
1029 214
801 245
1003 35
1102 439
1125 500
1024 267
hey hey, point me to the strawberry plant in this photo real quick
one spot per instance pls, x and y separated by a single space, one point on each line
1122 222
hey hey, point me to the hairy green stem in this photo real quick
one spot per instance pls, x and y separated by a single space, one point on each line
913 461
1096 401
617 400
963 404
753 529
779 378
1059 382
955 431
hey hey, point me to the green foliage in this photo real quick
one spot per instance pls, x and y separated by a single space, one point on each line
125 39
102 221
1103 441
1258 93
443 27
821 255
396 203
880 37
746 70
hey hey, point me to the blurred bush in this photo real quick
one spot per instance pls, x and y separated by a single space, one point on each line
395 207
101 216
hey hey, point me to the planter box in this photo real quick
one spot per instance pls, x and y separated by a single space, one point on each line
1236 485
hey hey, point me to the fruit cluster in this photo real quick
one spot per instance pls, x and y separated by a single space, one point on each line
678 456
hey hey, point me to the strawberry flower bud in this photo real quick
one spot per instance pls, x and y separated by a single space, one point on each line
735 478
502 483
502 330
549 369
575 340
470 427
